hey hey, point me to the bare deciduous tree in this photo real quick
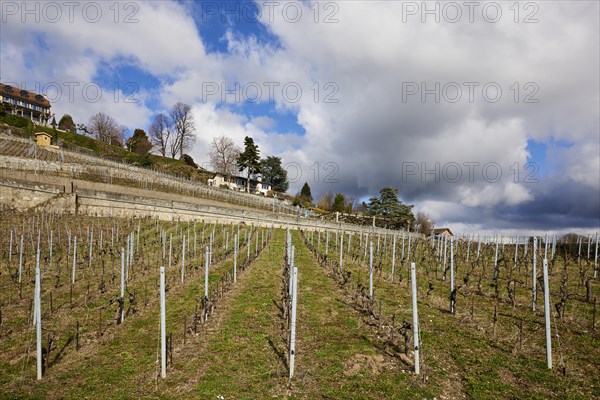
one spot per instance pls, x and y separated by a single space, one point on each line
326 201
106 129
224 155
160 133
184 130
423 224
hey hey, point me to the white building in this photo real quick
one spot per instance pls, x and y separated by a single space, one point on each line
239 183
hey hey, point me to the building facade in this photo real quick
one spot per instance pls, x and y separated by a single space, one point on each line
239 183
443 232
26 104
43 139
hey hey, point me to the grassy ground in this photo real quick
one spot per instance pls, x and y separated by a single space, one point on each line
91 146
336 355
247 358
237 358
345 349
108 352
466 357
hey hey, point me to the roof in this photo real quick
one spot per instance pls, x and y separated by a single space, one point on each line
437 231
22 94
43 133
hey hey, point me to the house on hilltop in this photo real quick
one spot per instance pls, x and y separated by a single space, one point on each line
443 232
239 184
23 103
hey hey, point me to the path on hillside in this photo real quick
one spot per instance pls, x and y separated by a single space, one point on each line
125 363
245 358
461 358
335 355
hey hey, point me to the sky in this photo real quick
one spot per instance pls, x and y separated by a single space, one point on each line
484 115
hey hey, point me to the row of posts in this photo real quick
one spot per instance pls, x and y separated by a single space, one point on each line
293 292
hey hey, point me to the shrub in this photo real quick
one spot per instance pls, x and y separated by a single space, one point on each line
15 120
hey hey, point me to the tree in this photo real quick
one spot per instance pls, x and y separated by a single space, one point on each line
182 121
339 203
325 202
423 224
395 213
360 208
305 194
188 160
106 129
66 124
224 155
250 159
83 130
139 143
373 206
569 238
160 133
351 203
274 173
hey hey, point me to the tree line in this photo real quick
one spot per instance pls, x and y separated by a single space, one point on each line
387 208
228 159
173 133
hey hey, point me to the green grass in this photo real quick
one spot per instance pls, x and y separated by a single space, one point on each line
237 361
336 357
74 141
463 357
241 353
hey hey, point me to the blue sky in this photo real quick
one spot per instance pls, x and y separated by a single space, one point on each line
213 21
542 154
372 132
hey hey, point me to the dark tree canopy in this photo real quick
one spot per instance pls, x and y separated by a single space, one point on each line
305 194
188 160
139 142
387 206
66 124
339 203
249 159
274 173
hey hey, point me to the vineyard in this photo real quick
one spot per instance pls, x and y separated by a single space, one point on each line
141 308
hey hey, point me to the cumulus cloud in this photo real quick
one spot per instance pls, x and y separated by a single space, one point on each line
388 97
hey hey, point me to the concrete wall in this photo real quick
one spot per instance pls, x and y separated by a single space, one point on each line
77 166
22 196
85 185
102 200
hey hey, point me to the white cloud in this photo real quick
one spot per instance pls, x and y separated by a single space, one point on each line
370 56
64 55
263 122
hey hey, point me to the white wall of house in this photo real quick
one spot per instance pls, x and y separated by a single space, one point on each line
239 183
